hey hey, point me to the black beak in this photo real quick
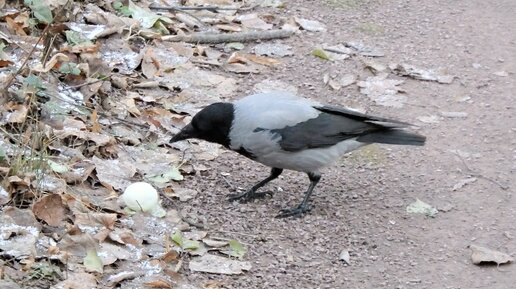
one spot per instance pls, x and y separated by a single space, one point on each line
187 132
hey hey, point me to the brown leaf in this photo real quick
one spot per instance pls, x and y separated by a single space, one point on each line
124 236
51 63
50 209
95 127
170 256
77 281
16 25
93 219
78 172
150 66
263 60
237 58
160 284
18 113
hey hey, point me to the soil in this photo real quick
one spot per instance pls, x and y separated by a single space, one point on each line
360 203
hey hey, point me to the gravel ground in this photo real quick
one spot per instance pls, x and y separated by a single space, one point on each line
360 202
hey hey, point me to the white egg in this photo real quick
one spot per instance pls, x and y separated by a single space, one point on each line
141 196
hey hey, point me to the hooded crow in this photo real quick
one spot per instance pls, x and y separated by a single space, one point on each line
284 131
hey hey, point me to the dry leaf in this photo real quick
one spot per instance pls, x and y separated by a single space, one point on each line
252 21
219 265
77 281
16 26
150 66
17 241
50 209
263 60
159 284
17 114
310 25
463 182
51 63
481 255
420 73
383 91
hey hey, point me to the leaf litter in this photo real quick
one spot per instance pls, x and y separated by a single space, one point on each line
109 96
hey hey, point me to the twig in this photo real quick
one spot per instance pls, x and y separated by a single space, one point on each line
229 183
183 8
213 38
479 175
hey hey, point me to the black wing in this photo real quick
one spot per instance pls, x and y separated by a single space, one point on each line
335 124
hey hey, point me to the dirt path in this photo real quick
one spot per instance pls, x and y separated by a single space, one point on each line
360 204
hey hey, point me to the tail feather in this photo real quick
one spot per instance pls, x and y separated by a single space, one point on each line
393 136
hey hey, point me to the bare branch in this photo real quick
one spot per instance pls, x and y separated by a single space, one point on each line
230 37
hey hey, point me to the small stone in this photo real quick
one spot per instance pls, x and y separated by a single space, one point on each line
501 73
454 114
477 65
344 257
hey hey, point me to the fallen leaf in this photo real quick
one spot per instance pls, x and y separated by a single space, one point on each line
149 64
463 182
185 244
41 11
420 207
92 262
263 60
17 114
184 194
321 53
374 66
236 249
218 265
383 91
160 284
172 174
77 281
50 183
50 209
420 73
109 253
252 21
146 17
57 167
115 173
480 255
365 50
310 25
17 241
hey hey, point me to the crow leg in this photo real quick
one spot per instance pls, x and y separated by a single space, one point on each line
252 192
303 207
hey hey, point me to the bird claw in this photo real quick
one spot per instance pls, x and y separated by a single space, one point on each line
294 212
248 196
